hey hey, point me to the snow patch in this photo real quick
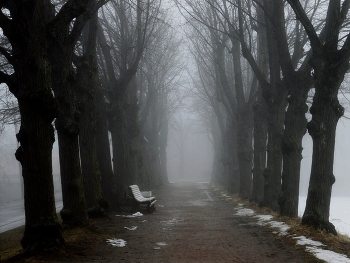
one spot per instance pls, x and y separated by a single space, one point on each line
244 212
131 228
116 242
328 255
137 214
283 227
162 244
303 241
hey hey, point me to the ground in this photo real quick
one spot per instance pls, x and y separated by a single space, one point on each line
192 223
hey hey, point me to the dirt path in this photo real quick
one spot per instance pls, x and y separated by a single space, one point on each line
191 224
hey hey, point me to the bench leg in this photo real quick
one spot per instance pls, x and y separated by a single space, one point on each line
150 208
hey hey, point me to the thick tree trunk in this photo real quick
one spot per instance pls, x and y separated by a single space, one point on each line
108 181
276 105
233 180
36 136
295 127
74 210
163 140
245 151
87 81
31 84
326 112
89 165
118 125
260 140
217 168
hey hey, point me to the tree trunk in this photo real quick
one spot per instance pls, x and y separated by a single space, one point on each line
276 104
36 136
38 108
74 210
326 112
108 181
163 139
120 147
89 165
233 180
87 81
245 151
295 127
31 84
260 140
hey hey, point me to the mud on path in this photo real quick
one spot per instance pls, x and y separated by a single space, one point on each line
191 224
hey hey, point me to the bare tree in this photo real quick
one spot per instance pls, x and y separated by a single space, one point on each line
26 26
330 62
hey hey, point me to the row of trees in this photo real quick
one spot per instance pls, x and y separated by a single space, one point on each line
257 62
98 71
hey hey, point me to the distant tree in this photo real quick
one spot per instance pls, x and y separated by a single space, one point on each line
159 74
274 93
128 28
330 62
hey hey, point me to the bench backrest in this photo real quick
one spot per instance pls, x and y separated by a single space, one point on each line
136 192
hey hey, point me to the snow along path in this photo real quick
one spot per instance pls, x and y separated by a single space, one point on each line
280 228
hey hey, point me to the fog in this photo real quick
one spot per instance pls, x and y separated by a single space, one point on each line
189 151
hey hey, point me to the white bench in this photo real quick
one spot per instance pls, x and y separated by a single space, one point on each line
139 199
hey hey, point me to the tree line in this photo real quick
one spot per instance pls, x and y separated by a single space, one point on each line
96 73
259 64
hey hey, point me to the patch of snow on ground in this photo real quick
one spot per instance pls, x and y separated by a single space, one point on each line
244 212
303 241
328 255
283 227
311 245
171 222
137 214
131 228
162 244
263 218
116 242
